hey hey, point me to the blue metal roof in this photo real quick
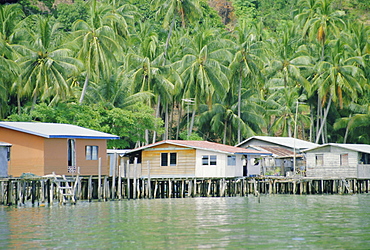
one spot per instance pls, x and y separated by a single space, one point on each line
56 130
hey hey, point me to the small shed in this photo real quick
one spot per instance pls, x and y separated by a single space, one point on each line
339 161
4 158
42 148
117 158
178 158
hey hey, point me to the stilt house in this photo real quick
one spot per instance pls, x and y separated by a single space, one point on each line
177 158
43 148
339 161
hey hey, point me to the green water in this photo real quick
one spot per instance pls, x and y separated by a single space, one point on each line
271 222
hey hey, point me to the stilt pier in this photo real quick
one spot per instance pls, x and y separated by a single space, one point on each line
41 190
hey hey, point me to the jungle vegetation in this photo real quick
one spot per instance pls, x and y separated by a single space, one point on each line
167 69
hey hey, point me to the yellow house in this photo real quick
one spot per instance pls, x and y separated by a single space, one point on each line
43 148
178 158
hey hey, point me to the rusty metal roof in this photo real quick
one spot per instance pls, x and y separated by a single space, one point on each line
279 152
206 145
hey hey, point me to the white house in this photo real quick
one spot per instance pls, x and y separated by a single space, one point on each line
339 161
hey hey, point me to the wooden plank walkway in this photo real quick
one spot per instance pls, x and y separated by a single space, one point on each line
38 191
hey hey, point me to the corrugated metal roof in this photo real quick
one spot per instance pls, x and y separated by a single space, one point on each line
56 130
364 148
206 145
280 152
283 141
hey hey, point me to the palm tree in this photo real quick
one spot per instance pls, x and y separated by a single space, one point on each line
288 59
339 79
324 24
289 109
245 67
201 68
170 9
222 119
45 66
356 126
96 44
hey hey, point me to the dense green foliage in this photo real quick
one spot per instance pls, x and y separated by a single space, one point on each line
170 69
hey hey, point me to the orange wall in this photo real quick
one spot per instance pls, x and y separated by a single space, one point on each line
56 156
88 167
26 154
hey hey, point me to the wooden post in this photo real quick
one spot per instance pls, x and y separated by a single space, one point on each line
51 194
155 189
134 185
190 191
182 188
195 187
99 180
169 188
119 193
209 187
105 188
149 182
113 193
33 191
128 180
9 201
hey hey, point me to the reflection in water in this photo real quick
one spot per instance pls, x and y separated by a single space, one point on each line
277 222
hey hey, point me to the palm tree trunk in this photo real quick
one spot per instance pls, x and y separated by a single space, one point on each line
347 130
225 129
323 121
166 123
156 116
84 89
178 122
239 104
192 122
311 125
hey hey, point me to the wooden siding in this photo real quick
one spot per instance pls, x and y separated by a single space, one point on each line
331 163
185 165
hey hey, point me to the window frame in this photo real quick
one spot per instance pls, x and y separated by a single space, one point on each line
168 159
91 152
231 160
343 159
319 162
209 160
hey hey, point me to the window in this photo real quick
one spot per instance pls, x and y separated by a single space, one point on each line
92 152
205 160
209 160
319 159
71 152
344 159
168 158
8 153
173 157
231 160
213 160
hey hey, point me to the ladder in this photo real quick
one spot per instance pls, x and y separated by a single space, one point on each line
66 186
